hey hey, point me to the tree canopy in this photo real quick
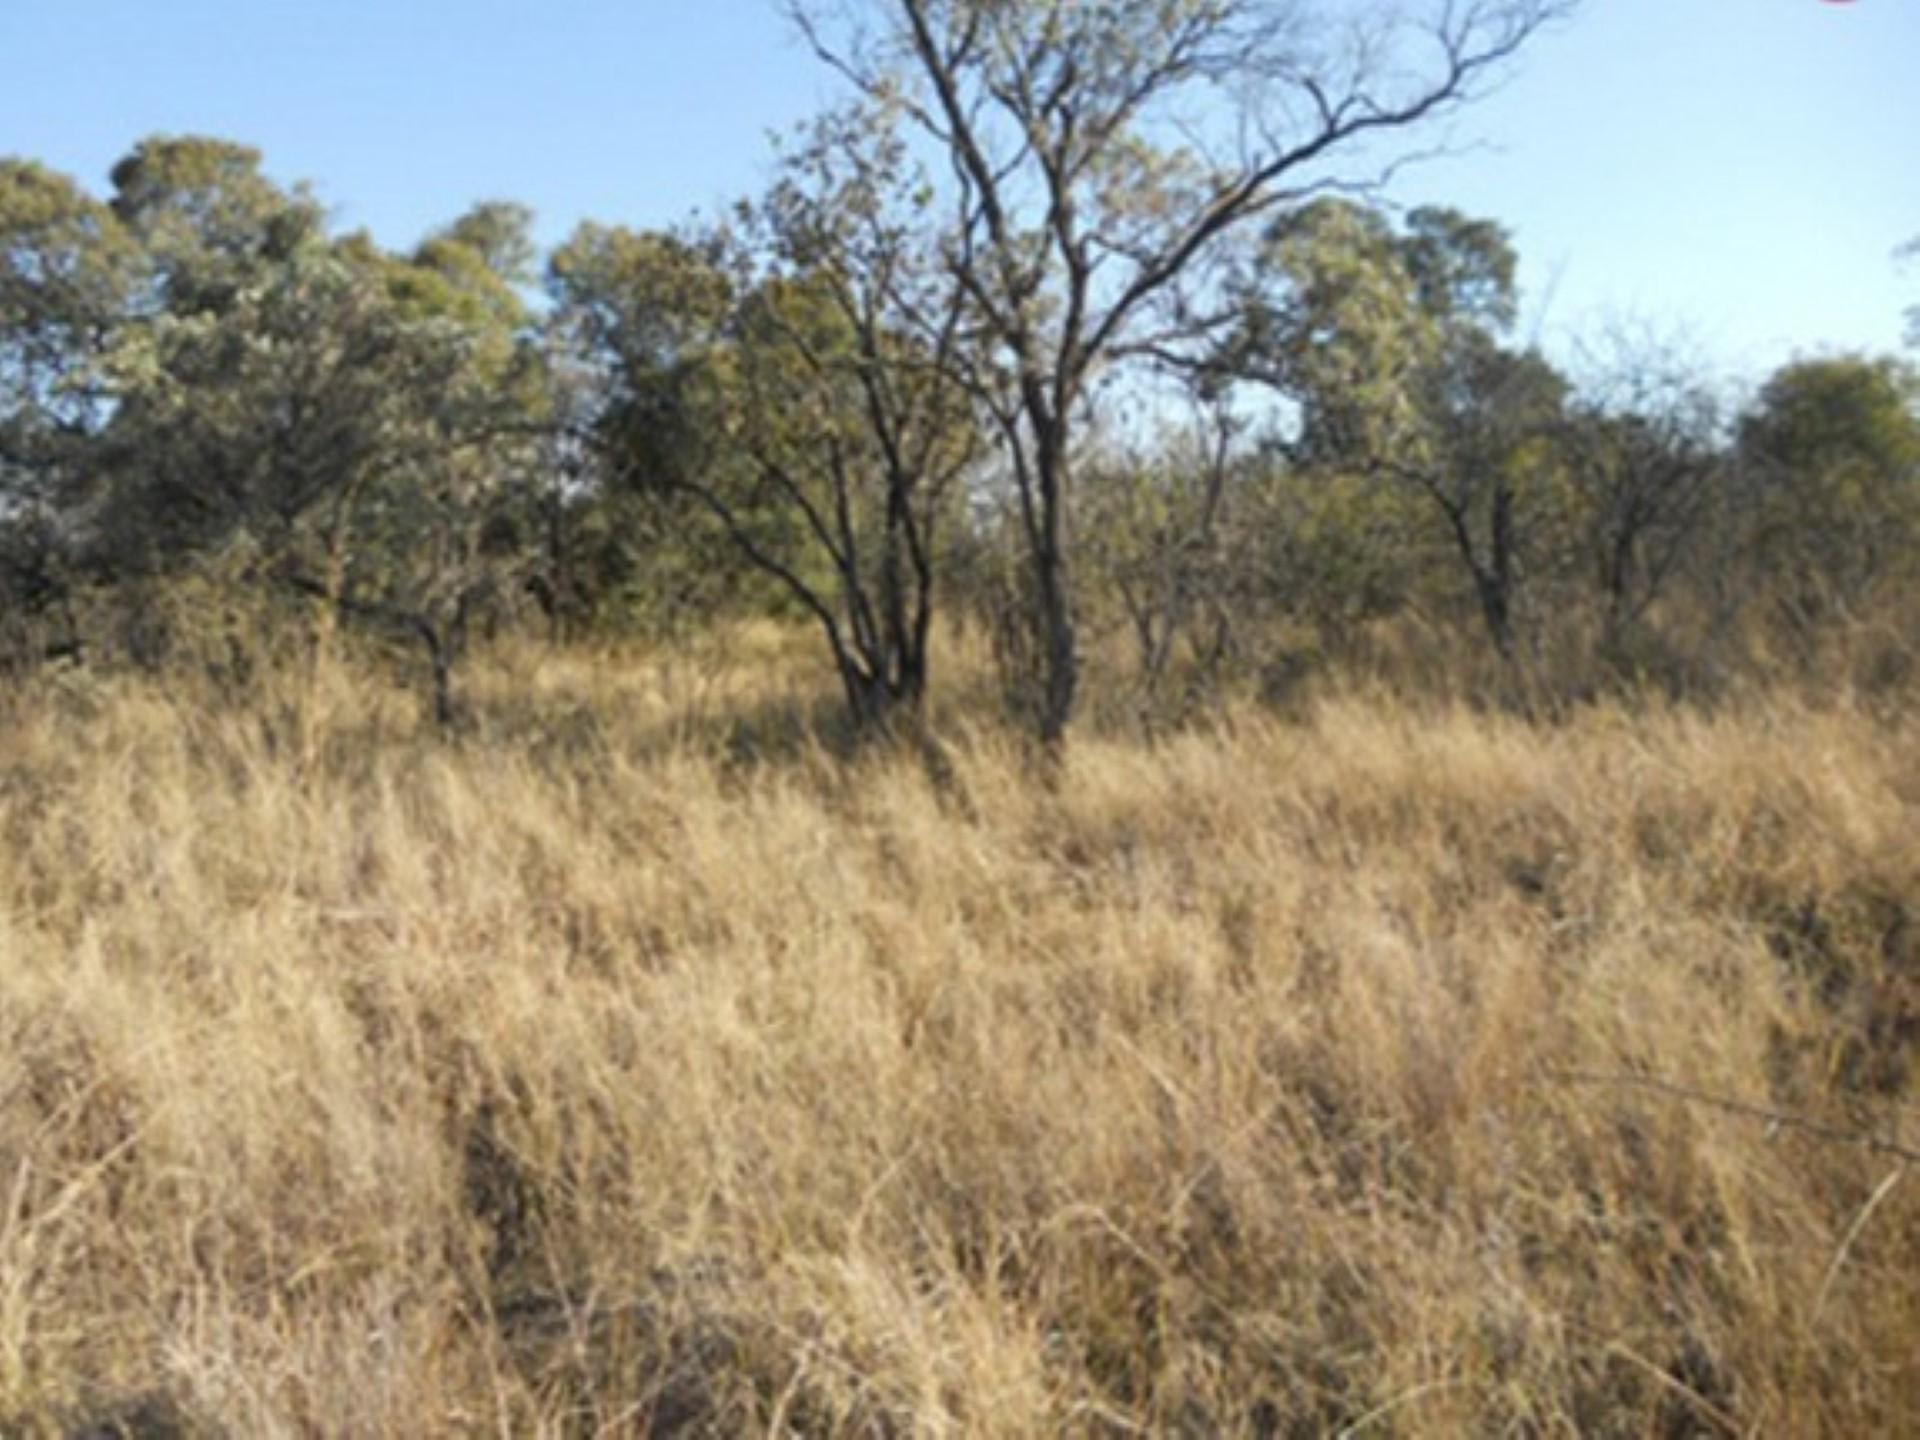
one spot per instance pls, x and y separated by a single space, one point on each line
1074 319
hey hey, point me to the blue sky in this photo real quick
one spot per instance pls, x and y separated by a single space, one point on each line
1739 170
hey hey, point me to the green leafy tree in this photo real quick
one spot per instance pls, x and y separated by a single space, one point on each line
260 422
319 415
634 332
793 380
211 223
448 530
1644 452
68 271
1829 456
1390 347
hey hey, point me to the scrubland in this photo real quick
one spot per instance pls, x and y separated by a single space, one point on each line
636 1063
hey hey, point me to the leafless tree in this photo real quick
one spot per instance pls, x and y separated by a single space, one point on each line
1102 156
1644 448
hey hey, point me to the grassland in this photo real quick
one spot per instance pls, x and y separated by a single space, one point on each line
598 1072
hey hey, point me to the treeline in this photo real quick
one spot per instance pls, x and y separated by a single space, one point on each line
1089 386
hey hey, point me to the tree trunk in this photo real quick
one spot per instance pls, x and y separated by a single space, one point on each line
1053 618
1493 573
443 644
1501 617
443 712
1496 608
870 700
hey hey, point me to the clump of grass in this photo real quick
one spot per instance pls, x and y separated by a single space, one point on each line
613 1069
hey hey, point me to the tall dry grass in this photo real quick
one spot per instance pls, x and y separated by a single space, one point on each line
589 1075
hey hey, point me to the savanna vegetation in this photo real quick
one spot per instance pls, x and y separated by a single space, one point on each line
1049 782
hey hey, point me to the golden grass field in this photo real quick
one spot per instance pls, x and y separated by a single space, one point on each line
588 1074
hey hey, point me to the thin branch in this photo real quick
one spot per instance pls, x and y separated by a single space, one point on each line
1775 1119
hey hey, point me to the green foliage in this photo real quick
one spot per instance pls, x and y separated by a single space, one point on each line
1831 453
1464 268
1333 320
776 386
644 311
637 318
210 222
1850 420
811 409
221 387
67 269
1388 348
247 419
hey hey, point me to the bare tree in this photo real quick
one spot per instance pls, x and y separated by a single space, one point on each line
1158 522
1102 156
1644 453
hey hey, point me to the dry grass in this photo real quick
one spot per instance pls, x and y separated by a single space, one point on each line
582 1077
